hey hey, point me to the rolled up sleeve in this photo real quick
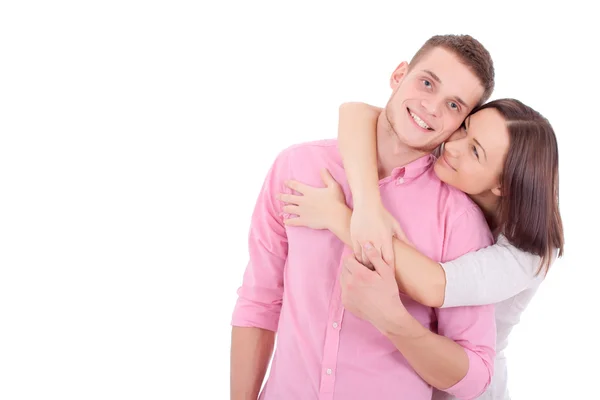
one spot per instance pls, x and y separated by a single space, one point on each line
261 293
473 327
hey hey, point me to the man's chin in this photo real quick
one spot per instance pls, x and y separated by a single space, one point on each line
418 145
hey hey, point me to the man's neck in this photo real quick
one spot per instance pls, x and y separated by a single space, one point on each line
391 152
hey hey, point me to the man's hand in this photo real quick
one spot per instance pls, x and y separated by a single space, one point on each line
372 295
373 223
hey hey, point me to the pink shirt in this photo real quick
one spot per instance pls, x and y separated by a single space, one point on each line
291 286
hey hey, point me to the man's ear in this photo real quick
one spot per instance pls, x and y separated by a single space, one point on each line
497 191
398 74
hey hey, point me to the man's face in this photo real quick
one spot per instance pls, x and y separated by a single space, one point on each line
430 102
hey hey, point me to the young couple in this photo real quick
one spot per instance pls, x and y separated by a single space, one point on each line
448 250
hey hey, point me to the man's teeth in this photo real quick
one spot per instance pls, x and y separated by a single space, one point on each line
419 121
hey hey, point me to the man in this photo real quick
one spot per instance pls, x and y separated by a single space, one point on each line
387 346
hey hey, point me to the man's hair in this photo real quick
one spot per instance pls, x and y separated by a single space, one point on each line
470 52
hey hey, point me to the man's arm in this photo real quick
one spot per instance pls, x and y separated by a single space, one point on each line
251 350
445 362
474 327
459 359
256 313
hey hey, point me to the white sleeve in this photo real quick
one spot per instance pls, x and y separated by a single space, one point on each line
490 275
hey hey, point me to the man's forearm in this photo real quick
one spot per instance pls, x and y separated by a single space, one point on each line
251 350
437 359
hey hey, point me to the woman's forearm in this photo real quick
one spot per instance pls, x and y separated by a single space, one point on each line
340 223
419 277
358 147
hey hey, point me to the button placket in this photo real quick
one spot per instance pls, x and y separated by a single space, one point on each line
332 338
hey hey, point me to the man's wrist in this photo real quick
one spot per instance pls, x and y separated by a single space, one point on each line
402 325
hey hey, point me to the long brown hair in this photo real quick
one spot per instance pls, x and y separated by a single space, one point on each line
528 214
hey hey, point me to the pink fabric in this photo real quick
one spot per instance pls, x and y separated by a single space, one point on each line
291 286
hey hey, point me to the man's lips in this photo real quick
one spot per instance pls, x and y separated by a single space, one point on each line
410 114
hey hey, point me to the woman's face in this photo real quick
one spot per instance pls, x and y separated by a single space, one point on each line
473 157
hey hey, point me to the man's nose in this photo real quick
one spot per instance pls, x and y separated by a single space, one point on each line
431 106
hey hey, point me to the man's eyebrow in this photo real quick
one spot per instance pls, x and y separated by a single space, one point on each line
438 80
461 101
434 76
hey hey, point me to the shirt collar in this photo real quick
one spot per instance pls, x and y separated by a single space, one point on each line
413 169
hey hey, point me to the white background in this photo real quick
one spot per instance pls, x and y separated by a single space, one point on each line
135 137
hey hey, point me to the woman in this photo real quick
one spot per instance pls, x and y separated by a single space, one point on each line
505 157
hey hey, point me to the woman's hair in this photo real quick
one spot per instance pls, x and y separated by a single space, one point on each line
528 214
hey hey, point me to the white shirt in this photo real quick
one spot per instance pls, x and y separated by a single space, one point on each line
502 275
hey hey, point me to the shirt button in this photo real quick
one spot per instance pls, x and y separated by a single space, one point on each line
329 371
335 325
400 181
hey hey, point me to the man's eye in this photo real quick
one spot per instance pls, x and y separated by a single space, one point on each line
426 83
453 105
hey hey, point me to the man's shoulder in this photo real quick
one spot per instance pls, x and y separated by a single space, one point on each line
315 146
310 152
457 204
466 228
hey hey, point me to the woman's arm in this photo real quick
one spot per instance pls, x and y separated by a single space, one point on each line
325 208
358 147
487 276
490 275
417 275
357 129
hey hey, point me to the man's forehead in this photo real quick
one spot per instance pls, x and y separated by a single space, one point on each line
448 70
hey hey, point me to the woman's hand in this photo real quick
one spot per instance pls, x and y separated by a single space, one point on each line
316 208
372 223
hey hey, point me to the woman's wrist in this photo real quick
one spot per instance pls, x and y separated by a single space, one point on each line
368 199
339 222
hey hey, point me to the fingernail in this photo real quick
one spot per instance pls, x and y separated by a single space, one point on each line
368 246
